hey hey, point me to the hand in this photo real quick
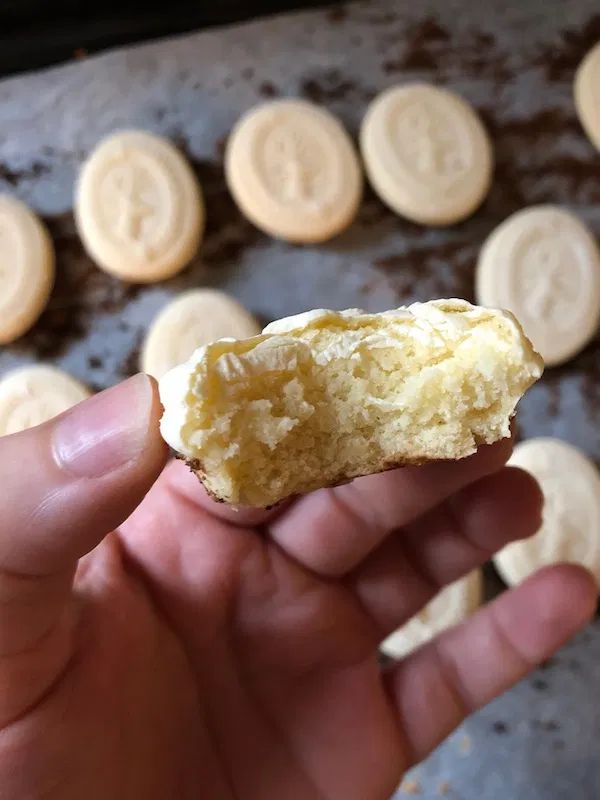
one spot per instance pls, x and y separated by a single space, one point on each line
198 653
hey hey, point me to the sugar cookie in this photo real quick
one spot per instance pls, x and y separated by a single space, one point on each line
26 268
325 396
544 266
32 395
293 171
138 207
426 153
192 319
451 606
570 528
587 94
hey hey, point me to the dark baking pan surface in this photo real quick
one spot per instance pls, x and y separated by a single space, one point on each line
37 33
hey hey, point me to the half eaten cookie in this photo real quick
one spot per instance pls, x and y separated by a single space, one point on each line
323 397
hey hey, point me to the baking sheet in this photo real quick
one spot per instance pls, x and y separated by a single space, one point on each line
516 63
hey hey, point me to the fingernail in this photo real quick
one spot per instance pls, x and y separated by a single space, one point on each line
105 432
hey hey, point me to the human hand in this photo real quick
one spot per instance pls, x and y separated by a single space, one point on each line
199 653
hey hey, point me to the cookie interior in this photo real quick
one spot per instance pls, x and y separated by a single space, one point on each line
347 395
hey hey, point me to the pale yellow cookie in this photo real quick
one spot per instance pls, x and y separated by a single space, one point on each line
325 396
570 528
26 268
192 319
544 265
451 606
138 207
32 395
293 171
587 94
426 153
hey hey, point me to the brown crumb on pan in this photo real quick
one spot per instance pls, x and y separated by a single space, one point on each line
465 745
444 789
410 786
80 53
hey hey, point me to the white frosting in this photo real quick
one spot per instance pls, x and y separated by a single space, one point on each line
453 313
276 354
298 321
174 388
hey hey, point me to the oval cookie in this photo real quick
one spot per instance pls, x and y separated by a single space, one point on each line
293 171
570 528
587 94
189 321
26 268
138 207
426 153
450 607
544 266
32 395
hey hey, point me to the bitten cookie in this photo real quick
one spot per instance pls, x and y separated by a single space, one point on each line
326 396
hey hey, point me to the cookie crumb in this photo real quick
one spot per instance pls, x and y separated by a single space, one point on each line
410 786
500 727
539 685
465 745
444 789
268 89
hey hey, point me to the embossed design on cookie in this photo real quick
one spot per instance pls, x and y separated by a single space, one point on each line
430 140
294 165
137 205
549 283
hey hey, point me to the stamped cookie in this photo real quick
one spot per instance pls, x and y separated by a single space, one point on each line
26 268
570 528
426 153
544 266
191 320
138 207
450 607
32 395
587 94
293 171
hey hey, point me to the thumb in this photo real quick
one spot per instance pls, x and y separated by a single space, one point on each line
68 482
65 485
